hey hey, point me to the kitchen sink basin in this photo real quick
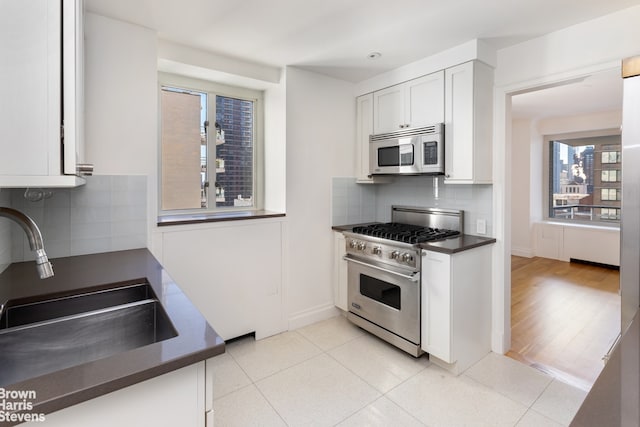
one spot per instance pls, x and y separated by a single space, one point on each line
46 336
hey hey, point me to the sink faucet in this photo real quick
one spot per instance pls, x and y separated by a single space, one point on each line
35 239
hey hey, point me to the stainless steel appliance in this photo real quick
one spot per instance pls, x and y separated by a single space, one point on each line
408 152
384 271
630 239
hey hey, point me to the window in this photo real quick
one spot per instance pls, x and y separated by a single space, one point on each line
584 177
610 194
610 214
612 175
611 157
209 144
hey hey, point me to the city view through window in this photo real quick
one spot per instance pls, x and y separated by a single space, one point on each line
585 179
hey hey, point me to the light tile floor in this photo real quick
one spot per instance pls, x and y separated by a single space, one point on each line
333 373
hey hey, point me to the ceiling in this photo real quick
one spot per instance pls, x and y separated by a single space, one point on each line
596 93
334 37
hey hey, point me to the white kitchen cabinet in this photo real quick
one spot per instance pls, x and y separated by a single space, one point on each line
178 398
468 123
41 90
456 307
339 272
364 128
415 103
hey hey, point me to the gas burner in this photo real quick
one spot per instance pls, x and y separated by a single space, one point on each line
406 233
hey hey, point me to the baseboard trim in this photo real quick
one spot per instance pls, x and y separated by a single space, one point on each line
312 315
523 252
596 264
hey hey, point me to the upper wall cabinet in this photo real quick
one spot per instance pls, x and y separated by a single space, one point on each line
468 123
364 128
415 103
41 126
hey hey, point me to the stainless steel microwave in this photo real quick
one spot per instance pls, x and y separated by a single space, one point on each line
408 152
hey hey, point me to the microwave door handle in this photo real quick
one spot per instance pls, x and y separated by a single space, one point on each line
414 277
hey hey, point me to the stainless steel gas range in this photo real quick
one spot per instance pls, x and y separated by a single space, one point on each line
384 271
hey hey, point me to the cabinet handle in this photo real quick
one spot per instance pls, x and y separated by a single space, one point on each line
84 169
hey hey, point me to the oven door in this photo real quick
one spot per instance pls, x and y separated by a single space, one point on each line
386 297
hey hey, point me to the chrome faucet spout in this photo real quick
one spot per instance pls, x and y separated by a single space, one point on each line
34 236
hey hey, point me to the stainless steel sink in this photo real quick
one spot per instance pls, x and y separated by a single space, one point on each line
46 336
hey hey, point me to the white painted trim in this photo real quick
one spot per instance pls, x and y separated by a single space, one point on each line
312 315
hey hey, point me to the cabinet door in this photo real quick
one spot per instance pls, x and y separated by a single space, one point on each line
339 272
458 129
468 123
30 87
73 84
437 305
364 123
424 100
388 108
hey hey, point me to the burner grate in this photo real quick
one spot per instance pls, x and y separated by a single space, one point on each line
406 233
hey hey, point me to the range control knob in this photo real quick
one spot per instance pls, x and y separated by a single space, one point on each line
377 250
353 244
407 257
362 246
395 255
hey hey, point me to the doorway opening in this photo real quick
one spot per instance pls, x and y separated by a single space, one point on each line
565 316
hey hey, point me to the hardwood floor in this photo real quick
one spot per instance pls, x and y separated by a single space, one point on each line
564 317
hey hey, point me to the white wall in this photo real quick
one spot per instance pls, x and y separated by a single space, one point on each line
320 145
120 97
521 181
580 50
121 102
275 147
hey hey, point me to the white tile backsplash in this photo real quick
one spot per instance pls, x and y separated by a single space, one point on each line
108 213
354 203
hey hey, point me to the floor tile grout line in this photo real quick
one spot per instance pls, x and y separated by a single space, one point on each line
488 387
271 404
283 369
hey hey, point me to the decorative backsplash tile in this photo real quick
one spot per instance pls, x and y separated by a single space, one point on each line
108 213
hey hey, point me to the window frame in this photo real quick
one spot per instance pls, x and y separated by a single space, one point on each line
547 140
212 89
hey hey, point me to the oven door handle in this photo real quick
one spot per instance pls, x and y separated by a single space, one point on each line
413 277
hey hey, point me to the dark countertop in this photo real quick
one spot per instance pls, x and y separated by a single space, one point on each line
448 246
614 399
457 244
196 340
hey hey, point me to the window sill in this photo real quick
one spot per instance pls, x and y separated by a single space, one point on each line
215 217
594 226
